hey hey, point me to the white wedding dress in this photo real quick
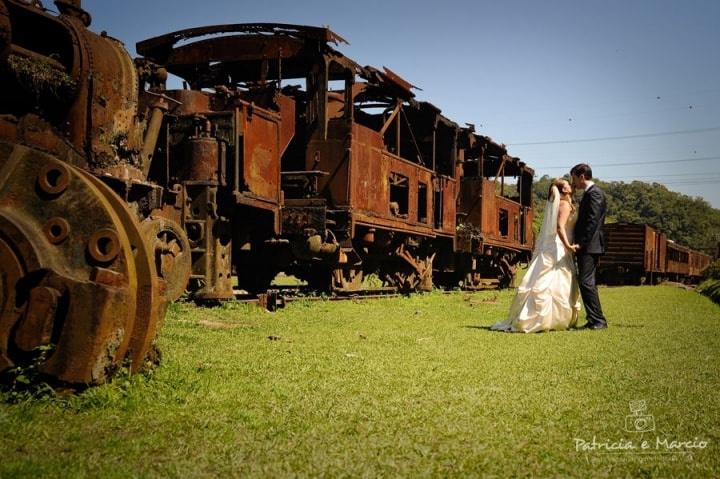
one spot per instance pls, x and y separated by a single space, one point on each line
548 297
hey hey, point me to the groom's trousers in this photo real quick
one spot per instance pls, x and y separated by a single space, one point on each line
587 266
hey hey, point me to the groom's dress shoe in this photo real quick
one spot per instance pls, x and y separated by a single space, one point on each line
595 326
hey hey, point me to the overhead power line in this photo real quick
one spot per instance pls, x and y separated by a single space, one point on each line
709 181
633 163
613 138
688 175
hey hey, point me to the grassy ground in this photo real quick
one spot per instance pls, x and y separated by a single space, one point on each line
409 387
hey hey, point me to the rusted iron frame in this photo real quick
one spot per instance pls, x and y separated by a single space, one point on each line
349 99
412 135
501 174
402 253
164 43
434 147
390 119
371 220
157 112
398 139
393 82
236 183
397 79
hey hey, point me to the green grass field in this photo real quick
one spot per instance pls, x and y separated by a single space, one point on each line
411 387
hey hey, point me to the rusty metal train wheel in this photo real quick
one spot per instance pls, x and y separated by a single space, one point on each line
13 267
408 271
76 275
172 256
347 280
151 289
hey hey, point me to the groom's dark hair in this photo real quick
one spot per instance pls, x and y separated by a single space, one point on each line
582 169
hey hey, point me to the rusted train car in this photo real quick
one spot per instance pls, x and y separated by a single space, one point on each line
279 153
329 170
639 254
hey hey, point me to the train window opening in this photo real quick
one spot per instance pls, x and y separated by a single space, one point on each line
409 142
677 256
471 169
491 166
369 115
336 99
407 130
504 222
393 130
508 187
378 115
438 209
422 203
336 86
236 167
298 84
516 233
399 195
525 188
445 149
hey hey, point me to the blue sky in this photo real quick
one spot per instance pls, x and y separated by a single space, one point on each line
535 75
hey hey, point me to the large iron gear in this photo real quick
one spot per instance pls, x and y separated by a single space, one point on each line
75 271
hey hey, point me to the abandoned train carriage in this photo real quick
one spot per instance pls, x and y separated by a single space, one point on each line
494 226
640 254
371 180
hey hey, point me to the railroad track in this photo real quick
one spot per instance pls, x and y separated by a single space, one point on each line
276 298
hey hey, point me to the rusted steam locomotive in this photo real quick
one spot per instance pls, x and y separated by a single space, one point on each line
329 180
640 254
279 153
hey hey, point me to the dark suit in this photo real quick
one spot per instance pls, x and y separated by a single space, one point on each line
589 235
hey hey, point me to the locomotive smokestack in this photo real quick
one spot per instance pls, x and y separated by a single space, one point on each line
73 8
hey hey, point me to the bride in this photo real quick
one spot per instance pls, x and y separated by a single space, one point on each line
548 297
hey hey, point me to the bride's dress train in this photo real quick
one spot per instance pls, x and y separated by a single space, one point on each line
548 297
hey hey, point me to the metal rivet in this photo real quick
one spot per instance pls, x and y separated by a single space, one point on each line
53 179
104 245
56 230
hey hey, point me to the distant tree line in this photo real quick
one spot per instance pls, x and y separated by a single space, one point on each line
689 221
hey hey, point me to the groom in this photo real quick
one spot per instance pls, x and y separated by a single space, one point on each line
591 242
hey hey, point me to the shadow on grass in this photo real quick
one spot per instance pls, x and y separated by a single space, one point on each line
613 325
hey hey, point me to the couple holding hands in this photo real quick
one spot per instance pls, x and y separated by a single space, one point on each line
564 262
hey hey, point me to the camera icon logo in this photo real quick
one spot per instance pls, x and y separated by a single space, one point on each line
639 420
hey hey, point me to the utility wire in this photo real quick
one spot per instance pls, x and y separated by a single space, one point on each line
690 175
697 182
632 163
613 138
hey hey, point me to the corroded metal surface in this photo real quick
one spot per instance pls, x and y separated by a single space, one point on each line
640 254
170 250
78 278
86 287
345 175
280 154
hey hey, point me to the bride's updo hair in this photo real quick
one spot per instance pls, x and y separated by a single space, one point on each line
557 183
